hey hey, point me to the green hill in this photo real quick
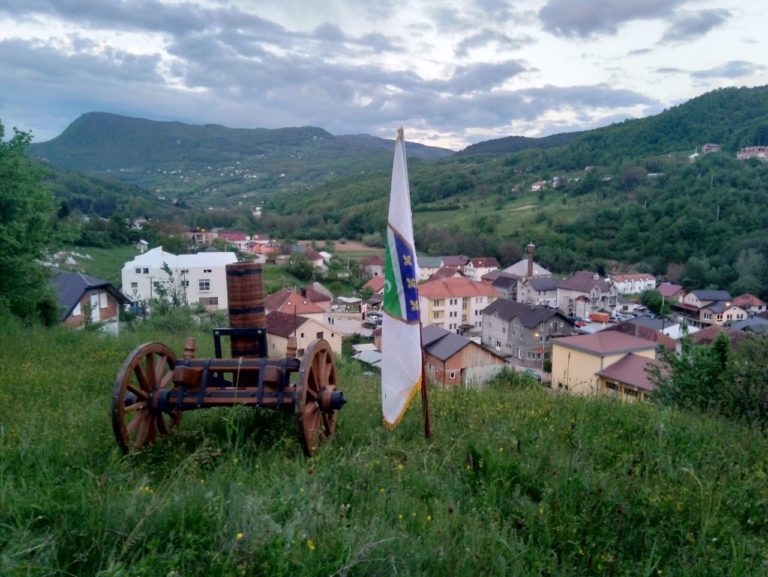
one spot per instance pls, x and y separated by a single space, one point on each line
213 165
513 482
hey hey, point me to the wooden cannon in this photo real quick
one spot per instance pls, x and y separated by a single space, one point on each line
153 387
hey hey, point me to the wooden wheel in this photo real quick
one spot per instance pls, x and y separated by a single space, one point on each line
317 373
136 420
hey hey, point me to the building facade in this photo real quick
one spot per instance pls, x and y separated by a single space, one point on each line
197 278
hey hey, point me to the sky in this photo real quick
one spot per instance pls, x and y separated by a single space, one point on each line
451 72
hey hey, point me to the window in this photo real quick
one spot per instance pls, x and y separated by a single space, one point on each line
204 284
209 301
103 302
302 335
630 392
145 270
707 316
464 303
138 271
207 270
435 315
134 285
611 386
185 283
319 335
451 375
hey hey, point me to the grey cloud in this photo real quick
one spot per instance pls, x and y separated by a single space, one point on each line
481 77
584 18
671 70
486 36
692 25
732 69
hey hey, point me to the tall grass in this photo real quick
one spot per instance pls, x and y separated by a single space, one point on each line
513 482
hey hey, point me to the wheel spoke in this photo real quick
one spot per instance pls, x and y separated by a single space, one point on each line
142 378
151 374
138 392
135 422
137 406
141 434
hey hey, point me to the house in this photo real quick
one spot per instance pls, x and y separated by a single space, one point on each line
446 272
538 185
454 303
453 360
506 285
527 268
758 152
750 303
141 245
709 307
721 312
671 292
282 326
710 147
428 265
373 266
86 300
585 292
655 330
577 360
476 268
376 285
295 302
632 284
198 278
457 262
235 238
523 332
201 237
538 291
628 379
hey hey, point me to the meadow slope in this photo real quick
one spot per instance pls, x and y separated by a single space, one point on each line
514 482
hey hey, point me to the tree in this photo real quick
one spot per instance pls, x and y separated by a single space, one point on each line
26 208
300 266
655 302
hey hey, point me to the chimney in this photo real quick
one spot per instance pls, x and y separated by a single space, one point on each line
531 248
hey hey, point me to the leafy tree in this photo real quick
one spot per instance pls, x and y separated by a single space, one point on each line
717 379
300 266
696 377
25 210
655 302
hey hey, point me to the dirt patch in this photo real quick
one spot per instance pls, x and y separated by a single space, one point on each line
522 208
346 246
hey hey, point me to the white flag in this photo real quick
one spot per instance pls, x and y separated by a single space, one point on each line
401 363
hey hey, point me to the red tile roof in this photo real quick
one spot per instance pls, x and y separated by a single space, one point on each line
455 287
375 284
283 324
748 300
668 289
292 302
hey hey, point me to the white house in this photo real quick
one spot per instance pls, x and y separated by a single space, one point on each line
629 284
200 277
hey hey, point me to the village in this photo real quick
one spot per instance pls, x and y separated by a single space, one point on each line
582 334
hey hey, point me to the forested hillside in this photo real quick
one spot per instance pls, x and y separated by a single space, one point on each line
625 197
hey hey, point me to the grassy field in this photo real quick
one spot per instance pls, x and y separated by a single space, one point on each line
513 482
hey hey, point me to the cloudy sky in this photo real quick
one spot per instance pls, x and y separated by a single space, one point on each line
452 72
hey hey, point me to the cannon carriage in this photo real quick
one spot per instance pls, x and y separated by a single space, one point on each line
154 387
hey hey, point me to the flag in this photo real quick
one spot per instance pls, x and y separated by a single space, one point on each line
401 363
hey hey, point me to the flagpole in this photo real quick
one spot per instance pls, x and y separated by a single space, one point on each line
424 389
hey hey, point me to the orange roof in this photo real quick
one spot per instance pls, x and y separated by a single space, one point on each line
748 300
455 287
606 343
291 302
375 284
